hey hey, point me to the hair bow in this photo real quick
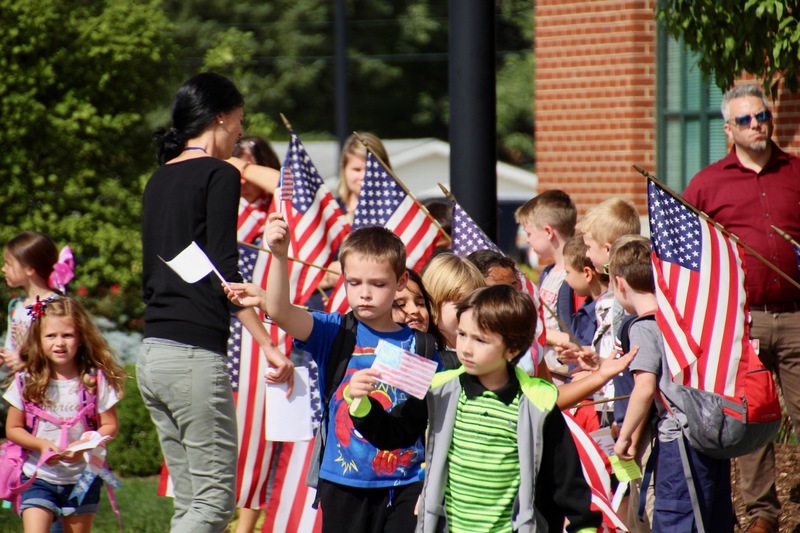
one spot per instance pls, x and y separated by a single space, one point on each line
36 310
63 270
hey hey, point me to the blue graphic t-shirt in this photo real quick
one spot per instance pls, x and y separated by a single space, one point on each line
349 458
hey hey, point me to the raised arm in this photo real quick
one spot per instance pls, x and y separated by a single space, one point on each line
294 320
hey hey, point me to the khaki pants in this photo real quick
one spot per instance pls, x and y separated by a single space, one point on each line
188 393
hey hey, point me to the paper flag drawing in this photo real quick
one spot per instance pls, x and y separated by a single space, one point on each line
289 419
192 264
402 369
286 188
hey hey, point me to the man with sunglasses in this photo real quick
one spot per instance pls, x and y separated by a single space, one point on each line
755 187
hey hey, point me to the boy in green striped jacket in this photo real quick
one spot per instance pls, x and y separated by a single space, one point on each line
499 455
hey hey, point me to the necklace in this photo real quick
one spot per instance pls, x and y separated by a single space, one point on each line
196 148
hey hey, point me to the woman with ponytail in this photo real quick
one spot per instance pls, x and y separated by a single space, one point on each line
182 372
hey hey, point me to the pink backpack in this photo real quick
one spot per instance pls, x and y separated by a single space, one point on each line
13 456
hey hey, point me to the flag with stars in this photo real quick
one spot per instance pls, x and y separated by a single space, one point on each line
468 237
247 366
316 223
702 302
384 202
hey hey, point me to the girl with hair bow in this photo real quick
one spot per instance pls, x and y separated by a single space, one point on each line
31 261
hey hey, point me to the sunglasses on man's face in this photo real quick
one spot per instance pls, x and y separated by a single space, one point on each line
745 120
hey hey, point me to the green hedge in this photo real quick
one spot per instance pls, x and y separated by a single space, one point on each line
135 451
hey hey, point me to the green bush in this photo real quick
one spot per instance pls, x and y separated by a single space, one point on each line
135 451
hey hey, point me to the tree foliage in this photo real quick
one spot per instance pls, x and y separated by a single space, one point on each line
78 78
86 82
760 37
281 53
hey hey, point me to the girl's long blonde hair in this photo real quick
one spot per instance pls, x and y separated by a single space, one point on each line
354 147
93 353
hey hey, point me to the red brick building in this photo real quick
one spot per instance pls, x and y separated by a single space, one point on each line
612 90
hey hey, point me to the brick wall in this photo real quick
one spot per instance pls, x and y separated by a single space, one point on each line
595 99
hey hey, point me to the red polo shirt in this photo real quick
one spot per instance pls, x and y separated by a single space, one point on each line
748 204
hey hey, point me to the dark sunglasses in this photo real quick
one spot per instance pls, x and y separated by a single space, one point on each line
746 120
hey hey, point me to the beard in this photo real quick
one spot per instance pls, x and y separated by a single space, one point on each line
758 146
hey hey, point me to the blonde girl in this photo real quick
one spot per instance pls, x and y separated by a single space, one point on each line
66 355
448 279
353 166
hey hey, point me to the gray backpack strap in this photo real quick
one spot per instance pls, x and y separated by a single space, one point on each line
687 471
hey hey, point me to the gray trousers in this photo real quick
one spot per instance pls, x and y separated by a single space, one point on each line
188 393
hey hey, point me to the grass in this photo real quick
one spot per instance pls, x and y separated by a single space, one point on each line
142 511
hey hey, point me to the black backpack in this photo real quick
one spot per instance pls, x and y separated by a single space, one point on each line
341 351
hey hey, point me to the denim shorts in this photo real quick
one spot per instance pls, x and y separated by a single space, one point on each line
55 498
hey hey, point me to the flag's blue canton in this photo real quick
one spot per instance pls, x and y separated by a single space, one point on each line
379 198
467 236
674 229
247 261
234 352
796 255
306 177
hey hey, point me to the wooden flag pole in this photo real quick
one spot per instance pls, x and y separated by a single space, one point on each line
403 186
447 194
286 123
786 236
717 225
254 247
561 324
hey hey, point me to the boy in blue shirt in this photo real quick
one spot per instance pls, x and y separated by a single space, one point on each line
361 488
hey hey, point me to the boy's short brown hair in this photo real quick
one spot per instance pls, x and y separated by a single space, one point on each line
629 259
609 220
504 310
377 243
575 256
552 208
575 253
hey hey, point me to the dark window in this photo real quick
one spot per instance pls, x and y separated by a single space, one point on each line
689 133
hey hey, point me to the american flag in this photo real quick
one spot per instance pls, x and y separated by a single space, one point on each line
252 219
595 467
383 202
290 503
404 370
702 303
468 237
316 222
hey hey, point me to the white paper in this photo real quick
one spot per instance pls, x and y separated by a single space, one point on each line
289 419
89 441
192 264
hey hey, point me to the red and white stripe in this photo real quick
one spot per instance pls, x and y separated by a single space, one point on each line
596 468
289 507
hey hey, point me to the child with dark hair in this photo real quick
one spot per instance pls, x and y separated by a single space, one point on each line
412 306
490 426
497 268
